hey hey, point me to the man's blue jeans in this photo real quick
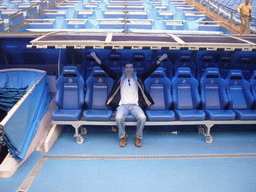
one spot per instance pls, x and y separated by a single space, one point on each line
134 110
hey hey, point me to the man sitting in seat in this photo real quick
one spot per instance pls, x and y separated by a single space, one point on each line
130 96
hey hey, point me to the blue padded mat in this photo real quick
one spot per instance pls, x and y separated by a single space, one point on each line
147 175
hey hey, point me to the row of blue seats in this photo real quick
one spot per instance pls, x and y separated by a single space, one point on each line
184 98
224 63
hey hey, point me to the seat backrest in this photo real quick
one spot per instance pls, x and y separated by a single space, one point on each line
238 90
213 90
224 63
71 13
159 87
253 84
87 65
98 86
115 61
59 23
185 89
70 89
206 61
185 61
165 64
247 66
140 62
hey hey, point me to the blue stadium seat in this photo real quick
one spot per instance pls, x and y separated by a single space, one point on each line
224 63
253 86
87 65
186 98
70 95
240 96
98 86
204 62
71 13
60 23
166 64
115 61
159 87
140 62
185 61
214 96
246 65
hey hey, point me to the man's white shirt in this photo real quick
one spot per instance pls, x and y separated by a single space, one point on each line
129 92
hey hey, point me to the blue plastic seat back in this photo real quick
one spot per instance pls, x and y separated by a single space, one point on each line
153 13
225 64
70 94
179 15
87 65
98 13
103 6
140 62
191 25
98 86
12 6
165 64
238 91
92 23
185 61
79 6
213 90
253 84
70 89
159 87
203 63
185 90
60 23
245 64
115 61
71 13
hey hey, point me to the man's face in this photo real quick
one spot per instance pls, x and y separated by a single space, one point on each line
247 2
128 69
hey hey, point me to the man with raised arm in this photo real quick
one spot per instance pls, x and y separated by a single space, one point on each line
129 96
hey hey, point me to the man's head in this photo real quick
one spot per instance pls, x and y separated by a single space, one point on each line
129 69
247 2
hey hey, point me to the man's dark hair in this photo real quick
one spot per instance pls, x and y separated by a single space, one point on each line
129 62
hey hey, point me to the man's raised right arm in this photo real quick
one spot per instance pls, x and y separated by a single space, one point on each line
111 73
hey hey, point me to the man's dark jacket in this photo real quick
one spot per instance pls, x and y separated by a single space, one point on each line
114 97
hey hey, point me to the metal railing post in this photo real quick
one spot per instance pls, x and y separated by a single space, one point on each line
231 19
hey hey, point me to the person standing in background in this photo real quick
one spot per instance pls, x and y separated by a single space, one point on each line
245 10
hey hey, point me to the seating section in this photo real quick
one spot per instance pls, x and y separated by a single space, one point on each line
115 16
176 102
159 87
240 96
214 96
98 87
69 95
217 100
186 98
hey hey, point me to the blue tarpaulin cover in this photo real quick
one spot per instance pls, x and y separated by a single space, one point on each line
27 90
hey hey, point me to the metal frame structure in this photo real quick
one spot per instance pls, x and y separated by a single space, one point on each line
204 127
150 41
